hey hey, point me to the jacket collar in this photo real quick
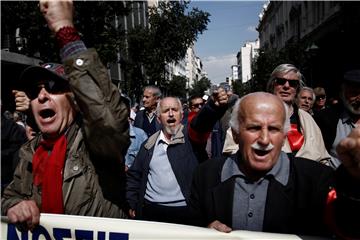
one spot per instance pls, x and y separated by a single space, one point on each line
178 138
280 171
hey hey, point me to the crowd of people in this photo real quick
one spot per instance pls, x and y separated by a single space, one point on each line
277 161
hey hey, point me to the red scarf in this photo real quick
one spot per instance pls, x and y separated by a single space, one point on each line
295 138
47 173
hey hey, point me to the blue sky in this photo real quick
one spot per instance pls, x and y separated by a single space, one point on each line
232 23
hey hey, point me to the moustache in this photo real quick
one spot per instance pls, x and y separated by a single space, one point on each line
257 146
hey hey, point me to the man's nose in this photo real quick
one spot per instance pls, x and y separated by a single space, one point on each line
43 95
171 113
264 138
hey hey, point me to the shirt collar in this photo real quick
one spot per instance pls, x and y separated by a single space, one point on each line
345 117
151 114
280 171
162 139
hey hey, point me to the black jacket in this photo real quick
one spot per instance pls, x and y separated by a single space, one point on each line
327 120
297 208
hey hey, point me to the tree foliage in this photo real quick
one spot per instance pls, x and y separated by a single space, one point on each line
177 87
240 88
145 53
172 30
268 59
198 88
93 19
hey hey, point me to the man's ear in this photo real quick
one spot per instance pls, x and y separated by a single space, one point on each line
71 97
235 136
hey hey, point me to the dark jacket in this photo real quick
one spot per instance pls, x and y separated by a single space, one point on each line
182 160
327 120
139 122
12 137
297 208
93 180
183 153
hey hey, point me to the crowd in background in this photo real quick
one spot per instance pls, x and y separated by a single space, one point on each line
286 160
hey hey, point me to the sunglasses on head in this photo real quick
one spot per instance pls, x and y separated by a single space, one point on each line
320 97
51 86
282 81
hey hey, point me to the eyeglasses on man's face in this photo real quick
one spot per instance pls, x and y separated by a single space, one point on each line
51 86
320 97
282 81
197 105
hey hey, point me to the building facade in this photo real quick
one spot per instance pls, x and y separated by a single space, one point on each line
138 16
325 31
245 58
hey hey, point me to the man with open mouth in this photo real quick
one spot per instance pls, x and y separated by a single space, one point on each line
158 182
261 188
75 166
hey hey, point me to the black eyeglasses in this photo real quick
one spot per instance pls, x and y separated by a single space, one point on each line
197 105
51 86
320 97
292 83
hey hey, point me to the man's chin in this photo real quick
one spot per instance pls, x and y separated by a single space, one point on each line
171 130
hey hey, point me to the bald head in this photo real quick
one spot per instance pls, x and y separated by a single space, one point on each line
258 127
261 102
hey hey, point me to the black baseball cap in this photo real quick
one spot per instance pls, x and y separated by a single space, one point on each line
51 75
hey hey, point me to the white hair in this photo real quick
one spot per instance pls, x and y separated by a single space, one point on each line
158 107
284 69
310 90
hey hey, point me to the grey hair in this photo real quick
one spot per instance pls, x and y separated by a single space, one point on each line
158 108
234 119
156 91
309 89
284 69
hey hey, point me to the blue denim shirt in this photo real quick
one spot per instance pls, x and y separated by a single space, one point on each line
137 137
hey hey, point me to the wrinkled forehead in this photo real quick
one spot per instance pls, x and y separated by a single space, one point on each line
306 92
262 104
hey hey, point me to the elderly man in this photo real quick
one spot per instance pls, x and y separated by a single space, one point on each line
337 121
261 188
304 137
75 166
146 118
158 182
305 99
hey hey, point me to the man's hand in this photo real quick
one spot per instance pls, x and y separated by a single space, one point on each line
349 152
217 225
58 13
220 97
26 213
22 102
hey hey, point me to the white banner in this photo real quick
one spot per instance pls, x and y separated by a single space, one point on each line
61 227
